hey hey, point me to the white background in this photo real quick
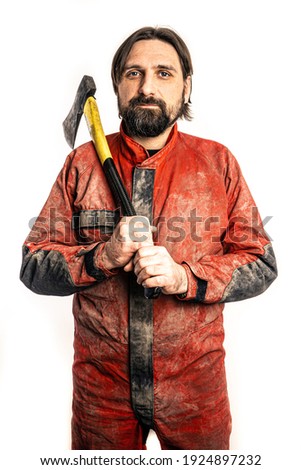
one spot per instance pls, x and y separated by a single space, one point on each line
246 94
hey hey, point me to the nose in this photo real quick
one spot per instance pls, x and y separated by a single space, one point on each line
147 85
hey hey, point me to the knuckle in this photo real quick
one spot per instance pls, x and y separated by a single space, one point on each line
149 270
162 250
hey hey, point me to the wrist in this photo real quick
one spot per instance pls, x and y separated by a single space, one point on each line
183 285
196 287
103 260
94 266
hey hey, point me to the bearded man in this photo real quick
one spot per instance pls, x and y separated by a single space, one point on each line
208 247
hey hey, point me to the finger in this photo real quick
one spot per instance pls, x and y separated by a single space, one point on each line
150 271
129 266
140 229
145 251
155 281
132 228
145 263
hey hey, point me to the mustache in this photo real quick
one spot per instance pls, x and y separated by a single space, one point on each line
144 100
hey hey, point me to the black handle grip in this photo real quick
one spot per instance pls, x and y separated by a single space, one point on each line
152 292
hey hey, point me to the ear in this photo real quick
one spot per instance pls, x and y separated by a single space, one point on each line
187 89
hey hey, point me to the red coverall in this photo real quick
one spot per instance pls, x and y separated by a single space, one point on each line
174 380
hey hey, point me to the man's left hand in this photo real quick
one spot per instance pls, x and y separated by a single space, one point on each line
154 267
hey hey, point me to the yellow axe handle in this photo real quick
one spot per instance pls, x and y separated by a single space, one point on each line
96 130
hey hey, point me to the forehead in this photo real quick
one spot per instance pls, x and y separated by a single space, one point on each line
153 52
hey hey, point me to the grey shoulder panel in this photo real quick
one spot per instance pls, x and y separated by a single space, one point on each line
46 272
252 279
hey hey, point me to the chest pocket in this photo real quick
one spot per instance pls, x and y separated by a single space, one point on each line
94 225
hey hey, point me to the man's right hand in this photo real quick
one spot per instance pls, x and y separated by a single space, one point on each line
130 234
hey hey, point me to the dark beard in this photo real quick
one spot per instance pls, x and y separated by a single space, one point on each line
141 122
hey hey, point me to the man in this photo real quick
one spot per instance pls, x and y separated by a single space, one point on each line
140 363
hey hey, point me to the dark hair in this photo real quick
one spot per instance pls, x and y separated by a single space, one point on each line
148 32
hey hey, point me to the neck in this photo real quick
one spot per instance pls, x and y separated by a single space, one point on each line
154 143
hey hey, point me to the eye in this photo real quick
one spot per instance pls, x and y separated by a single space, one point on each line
133 74
164 74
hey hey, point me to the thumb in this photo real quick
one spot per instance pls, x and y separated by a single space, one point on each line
129 266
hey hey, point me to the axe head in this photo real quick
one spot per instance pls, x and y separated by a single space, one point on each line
86 88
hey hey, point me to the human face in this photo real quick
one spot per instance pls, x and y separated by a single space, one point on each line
152 90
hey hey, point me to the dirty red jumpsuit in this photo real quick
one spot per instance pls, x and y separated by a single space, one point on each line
173 380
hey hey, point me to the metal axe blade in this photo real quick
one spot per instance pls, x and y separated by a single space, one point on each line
86 89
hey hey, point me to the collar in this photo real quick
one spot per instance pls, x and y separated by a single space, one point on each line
139 156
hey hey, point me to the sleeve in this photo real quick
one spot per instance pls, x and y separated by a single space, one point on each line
247 265
53 260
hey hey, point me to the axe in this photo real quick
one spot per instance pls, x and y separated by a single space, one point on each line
85 103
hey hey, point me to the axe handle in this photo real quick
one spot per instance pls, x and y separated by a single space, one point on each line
104 154
96 130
